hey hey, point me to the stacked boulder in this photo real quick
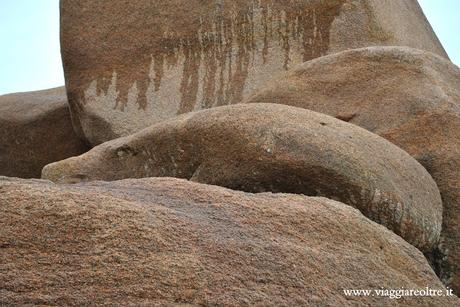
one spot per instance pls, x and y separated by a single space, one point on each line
35 129
411 98
246 152
129 64
276 148
163 241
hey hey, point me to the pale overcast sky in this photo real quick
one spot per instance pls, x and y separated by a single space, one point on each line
30 53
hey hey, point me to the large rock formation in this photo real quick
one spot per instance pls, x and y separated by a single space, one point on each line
268 147
35 130
409 97
129 64
168 241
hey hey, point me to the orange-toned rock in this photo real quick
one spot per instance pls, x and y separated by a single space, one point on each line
35 130
269 147
409 97
172 242
130 64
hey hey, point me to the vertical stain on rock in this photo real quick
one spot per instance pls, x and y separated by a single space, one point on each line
217 48
190 77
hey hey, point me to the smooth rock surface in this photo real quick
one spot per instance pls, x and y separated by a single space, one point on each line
162 241
130 64
35 130
269 147
411 98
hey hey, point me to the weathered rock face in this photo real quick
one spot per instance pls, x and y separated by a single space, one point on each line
35 130
169 241
129 64
268 147
410 97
